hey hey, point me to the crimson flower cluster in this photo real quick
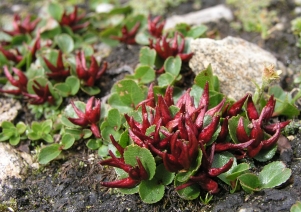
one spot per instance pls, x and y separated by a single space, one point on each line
73 20
22 26
89 76
178 138
136 174
42 94
58 72
128 36
13 55
166 48
91 116
155 26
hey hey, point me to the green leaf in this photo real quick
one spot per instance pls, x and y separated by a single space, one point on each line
33 136
86 133
14 140
47 126
146 157
73 83
129 92
103 151
114 119
163 176
76 133
7 125
221 159
56 11
115 102
249 182
21 127
165 79
189 193
274 174
67 141
145 74
205 76
147 56
296 207
197 31
93 144
237 171
65 42
3 137
173 65
266 154
48 138
151 191
49 153
90 90
63 89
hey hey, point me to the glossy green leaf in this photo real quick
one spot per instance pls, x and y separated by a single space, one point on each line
197 31
21 127
296 207
14 140
145 74
165 79
90 90
93 144
47 126
274 174
205 76
63 89
33 136
173 65
150 191
189 193
114 119
56 10
115 102
48 138
266 154
65 42
163 176
67 141
73 83
49 153
7 125
146 157
249 182
3 137
86 133
147 56
129 92
76 133
220 159
103 151
237 171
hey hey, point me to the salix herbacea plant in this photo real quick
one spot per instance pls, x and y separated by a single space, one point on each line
154 134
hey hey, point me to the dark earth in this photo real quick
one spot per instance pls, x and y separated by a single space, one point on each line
72 182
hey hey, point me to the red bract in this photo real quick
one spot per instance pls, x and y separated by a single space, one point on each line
91 116
136 174
89 76
58 72
165 48
128 36
22 27
260 127
73 20
21 83
155 26
15 57
206 173
42 95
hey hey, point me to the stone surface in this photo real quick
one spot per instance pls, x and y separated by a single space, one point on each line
212 14
10 164
8 109
236 62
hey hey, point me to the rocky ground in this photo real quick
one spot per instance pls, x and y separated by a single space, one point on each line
72 182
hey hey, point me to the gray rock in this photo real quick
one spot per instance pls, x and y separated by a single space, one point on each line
212 14
236 62
8 109
12 164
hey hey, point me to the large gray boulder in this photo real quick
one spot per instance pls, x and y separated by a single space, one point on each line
236 62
